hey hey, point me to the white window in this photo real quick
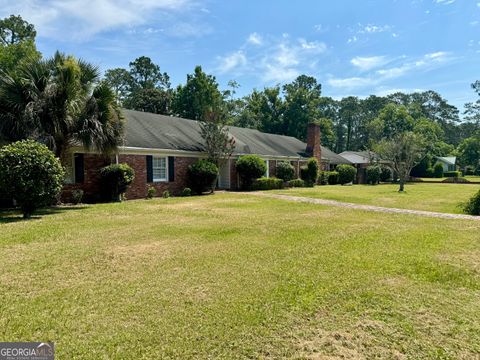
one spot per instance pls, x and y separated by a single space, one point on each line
160 170
267 173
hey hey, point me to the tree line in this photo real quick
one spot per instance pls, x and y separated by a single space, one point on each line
28 104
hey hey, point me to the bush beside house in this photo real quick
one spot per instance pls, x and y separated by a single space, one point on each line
250 168
31 173
265 183
116 179
346 174
296 183
285 171
373 174
202 176
438 170
309 172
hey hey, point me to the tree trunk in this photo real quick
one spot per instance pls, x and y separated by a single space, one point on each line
402 184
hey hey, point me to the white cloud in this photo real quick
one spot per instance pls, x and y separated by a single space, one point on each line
352 39
255 39
278 60
444 2
424 63
351 83
233 61
368 63
320 28
79 19
370 28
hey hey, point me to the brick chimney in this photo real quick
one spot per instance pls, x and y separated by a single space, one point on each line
313 142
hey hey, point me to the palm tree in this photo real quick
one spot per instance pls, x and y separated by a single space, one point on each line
59 102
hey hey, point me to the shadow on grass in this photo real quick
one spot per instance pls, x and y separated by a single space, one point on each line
15 215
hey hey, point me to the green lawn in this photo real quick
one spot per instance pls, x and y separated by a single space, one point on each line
235 276
431 197
474 179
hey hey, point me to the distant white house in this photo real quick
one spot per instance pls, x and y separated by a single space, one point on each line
448 162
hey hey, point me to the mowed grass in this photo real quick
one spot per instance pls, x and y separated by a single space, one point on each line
236 276
470 178
447 198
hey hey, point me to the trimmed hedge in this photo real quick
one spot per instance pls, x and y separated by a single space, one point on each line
438 171
296 183
265 183
202 175
373 174
31 174
285 171
309 173
116 179
328 178
452 174
386 174
249 168
346 173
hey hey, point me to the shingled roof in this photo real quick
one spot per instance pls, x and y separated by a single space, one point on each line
147 130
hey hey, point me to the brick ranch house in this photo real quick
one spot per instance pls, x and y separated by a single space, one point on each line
160 148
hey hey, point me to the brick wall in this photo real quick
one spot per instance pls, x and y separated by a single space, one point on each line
91 184
138 189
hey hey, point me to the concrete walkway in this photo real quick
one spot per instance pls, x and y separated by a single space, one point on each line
363 207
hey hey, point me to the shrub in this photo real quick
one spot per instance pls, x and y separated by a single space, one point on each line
309 173
31 173
430 172
166 194
386 174
249 168
438 170
333 178
452 174
323 178
472 207
296 183
328 177
477 171
151 192
469 170
285 171
373 174
187 192
116 179
265 183
77 196
202 176
346 173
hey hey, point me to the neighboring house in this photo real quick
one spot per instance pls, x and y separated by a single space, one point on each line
160 148
361 160
448 162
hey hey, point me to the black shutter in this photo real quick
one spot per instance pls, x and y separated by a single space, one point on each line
171 168
79 169
149 168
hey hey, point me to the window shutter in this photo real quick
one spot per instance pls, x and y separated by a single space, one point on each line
79 169
149 168
171 168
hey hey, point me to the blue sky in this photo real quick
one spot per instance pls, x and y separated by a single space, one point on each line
351 47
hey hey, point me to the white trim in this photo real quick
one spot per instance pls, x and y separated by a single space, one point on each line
267 173
158 180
